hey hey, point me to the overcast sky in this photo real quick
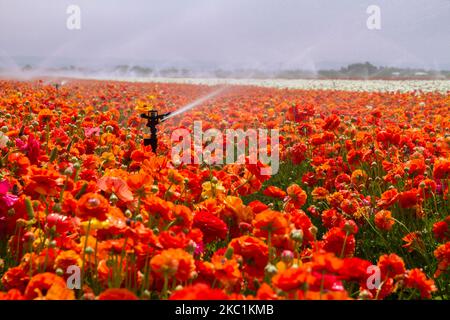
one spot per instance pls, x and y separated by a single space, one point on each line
304 34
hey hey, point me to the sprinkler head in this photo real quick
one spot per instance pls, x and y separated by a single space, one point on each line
153 119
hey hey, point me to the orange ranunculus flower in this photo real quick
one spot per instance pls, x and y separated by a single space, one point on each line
414 241
117 294
415 167
297 195
43 181
328 295
442 254
416 279
335 199
275 192
227 271
383 220
159 207
254 251
212 227
140 183
67 258
12 294
92 205
339 242
410 198
15 278
182 215
326 261
331 123
45 115
270 221
173 263
155 167
349 206
293 279
427 188
265 292
388 198
175 177
441 169
48 286
359 177
235 209
391 265
117 186
319 193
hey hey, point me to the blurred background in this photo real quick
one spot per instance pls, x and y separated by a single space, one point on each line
226 38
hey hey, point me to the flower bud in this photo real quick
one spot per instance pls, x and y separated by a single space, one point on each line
287 256
146 294
297 235
113 198
365 295
191 246
89 250
128 213
270 269
29 236
313 230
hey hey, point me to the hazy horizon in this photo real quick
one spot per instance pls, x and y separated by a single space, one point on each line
254 34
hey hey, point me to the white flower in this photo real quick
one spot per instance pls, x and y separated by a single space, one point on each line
3 139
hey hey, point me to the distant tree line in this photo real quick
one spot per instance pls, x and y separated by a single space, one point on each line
364 70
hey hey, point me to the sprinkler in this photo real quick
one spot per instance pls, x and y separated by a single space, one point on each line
153 119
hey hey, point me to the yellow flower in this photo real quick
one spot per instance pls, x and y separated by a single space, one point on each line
359 177
145 106
95 225
212 190
108 159
236 210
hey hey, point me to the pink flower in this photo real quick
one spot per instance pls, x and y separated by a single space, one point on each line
88 132
6 198
31 148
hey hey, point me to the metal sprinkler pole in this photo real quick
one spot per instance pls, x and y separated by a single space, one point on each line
153 119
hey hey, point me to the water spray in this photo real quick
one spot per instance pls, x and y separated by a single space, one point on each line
195 103
153 118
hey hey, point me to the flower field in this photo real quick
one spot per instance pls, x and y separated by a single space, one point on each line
359 208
